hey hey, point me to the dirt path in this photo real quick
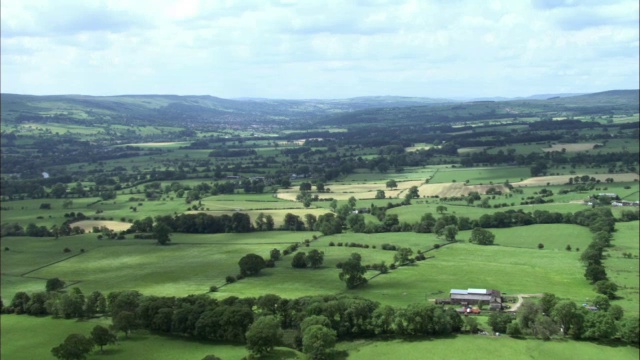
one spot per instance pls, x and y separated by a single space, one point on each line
521 297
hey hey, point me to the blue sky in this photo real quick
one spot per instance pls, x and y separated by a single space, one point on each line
319 48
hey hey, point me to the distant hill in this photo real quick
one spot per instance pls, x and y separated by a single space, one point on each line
616 101
170 109
167 109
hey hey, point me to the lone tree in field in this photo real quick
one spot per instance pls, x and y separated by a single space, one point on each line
392 184
263 335
74 347
481 236
353 271
54 284
251 264
102 336
441 209
162 233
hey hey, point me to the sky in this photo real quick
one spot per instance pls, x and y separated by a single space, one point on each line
319 49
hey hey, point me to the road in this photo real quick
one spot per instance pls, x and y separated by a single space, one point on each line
521 298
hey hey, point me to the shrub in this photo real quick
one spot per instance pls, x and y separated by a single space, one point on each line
541 246
213 288
230 279
66 250
331 243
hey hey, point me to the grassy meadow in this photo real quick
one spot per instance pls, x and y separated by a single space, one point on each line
483 347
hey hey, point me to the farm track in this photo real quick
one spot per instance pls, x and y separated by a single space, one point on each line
521 298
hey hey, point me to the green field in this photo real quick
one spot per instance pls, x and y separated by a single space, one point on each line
18 342
484 347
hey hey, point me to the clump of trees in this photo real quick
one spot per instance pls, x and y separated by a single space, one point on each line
352 272
481 236
313 259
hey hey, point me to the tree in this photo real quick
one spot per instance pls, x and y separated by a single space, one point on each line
595 273
317 340
59 190
352 202
101 336
269 223
315 258
263 335
299 261
499 321
380 194
564 312
274 254
601 302
402 256
616 311
314 320
547 302
599 325
353 271
450 232
251 264
540 246
481 236
630 330
412 193
162 233
607 288
260 223
471 324
54 284
545 327
392 184
96 304
211 357
305 186
310 220
441 209
125 321
513 329
329 223
74 347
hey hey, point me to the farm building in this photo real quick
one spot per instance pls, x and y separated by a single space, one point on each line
492 298
625 203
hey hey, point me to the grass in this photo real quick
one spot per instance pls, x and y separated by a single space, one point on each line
189 266
623 271
18 342
477 175
483 347
516 267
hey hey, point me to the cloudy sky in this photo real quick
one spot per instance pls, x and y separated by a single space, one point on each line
319 48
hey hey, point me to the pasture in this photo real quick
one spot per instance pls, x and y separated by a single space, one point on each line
478 347
481 175
573 147
189 266
622 270
18 342
563 179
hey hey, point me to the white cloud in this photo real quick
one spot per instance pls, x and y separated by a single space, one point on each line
324 49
